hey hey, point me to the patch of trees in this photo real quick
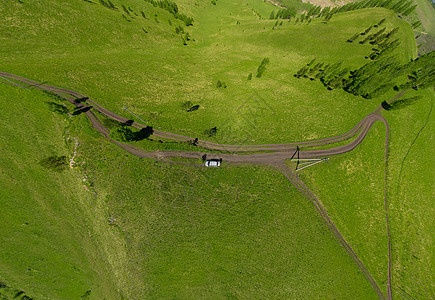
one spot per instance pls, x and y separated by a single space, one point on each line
380 39
420 73
277 23
384 49
185 36
284 13
7 292
402 7
172 8
262 67
108 4
416 24
399 104
374 78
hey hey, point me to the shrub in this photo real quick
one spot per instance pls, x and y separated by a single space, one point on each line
221 84
404 102
262 67
172 8
179 29
211 132
108 4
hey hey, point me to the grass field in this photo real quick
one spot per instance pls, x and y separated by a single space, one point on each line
355 197
179 231
154 78
426 14
238 232
53 239
180 241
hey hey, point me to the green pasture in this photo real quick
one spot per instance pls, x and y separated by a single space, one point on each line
53 233
124 227
153 73
234 232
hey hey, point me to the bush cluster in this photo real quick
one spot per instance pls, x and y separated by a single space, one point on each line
402 7
262 67
221 84
374 78
172 8
211 132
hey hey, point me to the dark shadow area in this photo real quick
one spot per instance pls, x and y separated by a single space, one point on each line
142 134
57 108
193 108
386 106
125 134
399 104
78 111
129 122
55 163
80 100
194 142
188 106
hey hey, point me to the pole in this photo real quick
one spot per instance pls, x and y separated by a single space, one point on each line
125 108
309 165
15 83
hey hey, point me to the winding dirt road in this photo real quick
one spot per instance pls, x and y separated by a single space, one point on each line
276 154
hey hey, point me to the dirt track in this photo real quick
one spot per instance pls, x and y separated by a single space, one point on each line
280 153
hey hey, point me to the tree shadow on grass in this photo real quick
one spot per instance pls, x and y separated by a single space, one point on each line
142 134
55 163
78 111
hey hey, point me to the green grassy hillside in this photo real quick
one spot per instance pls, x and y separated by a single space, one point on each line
238 232
123 227
153 73
54 234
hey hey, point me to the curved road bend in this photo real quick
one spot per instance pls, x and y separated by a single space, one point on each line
367 121
283 152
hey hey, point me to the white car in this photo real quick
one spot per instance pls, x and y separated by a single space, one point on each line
213 163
